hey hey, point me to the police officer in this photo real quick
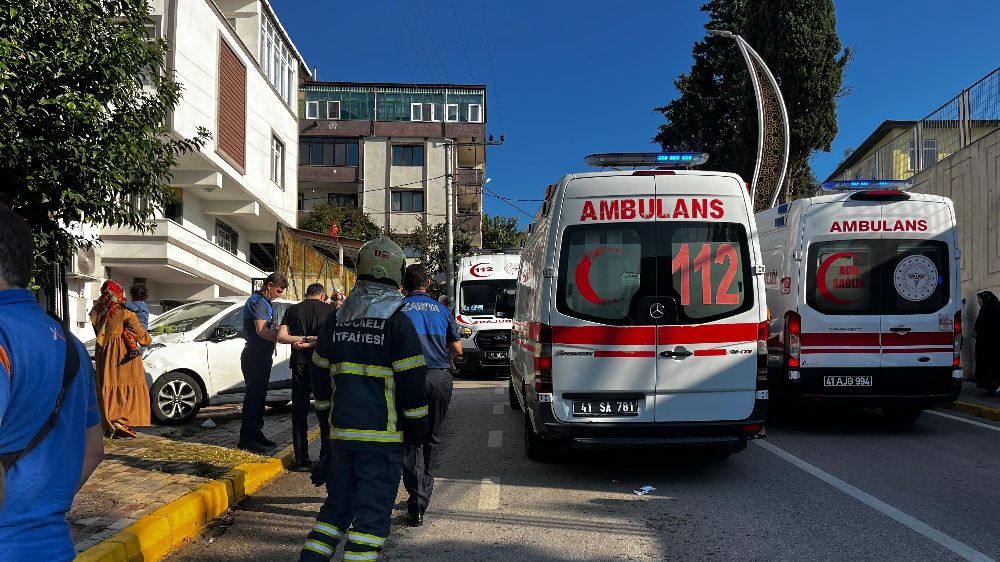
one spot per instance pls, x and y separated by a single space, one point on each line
261 333
439 340
375 385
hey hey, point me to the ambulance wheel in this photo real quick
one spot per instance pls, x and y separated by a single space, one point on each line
903 415
512 396
538 448
175 398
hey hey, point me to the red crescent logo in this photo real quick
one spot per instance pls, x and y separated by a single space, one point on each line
821 277
483 267
583 274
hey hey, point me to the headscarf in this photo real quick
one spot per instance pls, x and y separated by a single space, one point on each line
112 298
989 299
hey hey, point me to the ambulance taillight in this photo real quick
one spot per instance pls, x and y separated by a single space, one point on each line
793 342
957 353
762 333
543 361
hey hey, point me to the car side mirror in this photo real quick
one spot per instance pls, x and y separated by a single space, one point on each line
223 333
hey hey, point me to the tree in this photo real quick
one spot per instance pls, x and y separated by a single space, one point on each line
84 95
501 232
431 242
716 111
352 222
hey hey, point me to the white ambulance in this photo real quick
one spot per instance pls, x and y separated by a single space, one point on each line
485 309
640 317
863 286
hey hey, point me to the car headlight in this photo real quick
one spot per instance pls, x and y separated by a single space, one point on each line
149 349
465 332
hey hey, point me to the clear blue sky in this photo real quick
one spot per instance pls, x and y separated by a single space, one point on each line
571 78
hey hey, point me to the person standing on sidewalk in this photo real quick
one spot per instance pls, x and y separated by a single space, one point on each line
261 333
987 334
440 343
370 355
40 483
299 327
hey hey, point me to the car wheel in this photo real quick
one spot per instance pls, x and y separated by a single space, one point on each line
903 415
175 398
512 396
538 448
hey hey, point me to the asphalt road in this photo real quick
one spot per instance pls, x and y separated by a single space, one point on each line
824 485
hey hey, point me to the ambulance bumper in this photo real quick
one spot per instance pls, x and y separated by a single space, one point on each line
889 386
476 360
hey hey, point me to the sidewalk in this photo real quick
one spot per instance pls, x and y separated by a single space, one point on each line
973 401
139 476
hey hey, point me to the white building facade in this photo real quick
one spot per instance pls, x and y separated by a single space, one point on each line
239 72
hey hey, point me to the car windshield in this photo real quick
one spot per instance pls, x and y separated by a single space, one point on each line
187 317
488 297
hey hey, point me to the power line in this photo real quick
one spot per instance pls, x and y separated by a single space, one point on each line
506 200
430 37
461 38
493 74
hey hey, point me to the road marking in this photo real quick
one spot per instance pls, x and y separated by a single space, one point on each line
495 440
499 390
961 419
959 548
489 495
498 409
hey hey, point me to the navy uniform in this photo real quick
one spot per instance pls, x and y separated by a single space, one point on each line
371 353
255 362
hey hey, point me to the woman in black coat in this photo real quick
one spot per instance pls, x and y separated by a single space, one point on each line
987 334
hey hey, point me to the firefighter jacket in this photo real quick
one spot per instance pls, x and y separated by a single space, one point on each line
374 383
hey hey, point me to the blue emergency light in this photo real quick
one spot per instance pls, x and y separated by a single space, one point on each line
654 159
856 185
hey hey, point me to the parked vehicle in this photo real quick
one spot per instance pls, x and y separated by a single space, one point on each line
864 286
194 360
485 309
640 316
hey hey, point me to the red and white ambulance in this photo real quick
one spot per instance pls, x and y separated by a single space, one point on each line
863 285
485 309
640 316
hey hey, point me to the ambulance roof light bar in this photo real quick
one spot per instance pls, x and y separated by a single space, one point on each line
646 159
863 185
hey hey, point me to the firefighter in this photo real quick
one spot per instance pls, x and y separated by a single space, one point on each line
375 370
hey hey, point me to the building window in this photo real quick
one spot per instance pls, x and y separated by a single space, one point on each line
412 252
911 156
175 211
858 174
277 161
277 60
408 201
451 112
226 237
328 151
475 113
342 200
930 155
408 155
873 167
302 201
312 110
232 105
333 110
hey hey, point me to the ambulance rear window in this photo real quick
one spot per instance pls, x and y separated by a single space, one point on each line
709 266
603 269
840 276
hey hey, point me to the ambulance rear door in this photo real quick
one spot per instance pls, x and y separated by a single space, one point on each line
841 322
918 273
706 348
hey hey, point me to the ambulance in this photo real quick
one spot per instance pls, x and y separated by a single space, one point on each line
863 283
640 318
485 309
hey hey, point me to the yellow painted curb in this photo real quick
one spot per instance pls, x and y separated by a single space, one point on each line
155 535
977 410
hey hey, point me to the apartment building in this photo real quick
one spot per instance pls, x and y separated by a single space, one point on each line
389 149
240 73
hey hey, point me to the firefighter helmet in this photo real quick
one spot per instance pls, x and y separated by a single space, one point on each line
382 259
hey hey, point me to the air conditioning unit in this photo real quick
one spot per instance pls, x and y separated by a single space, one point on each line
85 264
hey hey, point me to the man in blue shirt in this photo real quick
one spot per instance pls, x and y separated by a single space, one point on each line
41 485
439 340
261 332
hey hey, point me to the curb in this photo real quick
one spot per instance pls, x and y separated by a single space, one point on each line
155 535
977 410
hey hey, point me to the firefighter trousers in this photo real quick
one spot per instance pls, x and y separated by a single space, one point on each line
361 488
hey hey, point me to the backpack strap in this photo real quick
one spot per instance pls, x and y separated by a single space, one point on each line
70 368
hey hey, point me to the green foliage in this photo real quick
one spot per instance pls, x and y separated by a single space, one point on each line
352 222
432 244
716 110
501 232
79 132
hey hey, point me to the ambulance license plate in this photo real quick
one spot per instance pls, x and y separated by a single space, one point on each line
835 381
496 354
594 408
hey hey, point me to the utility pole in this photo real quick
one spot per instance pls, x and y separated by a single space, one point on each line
449 213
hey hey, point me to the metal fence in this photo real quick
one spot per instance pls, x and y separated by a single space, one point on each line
961 121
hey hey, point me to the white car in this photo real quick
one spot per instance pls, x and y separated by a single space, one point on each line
194 360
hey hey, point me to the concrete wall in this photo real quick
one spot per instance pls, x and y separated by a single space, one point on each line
970 178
